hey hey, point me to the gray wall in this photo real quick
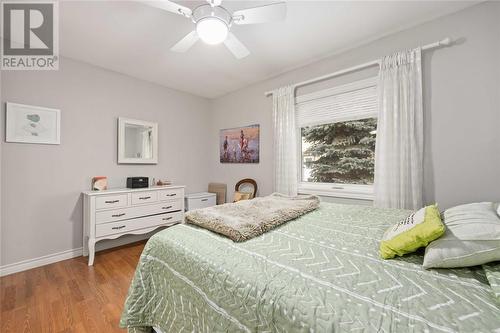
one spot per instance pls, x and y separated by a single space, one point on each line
41 184
41 206
462 106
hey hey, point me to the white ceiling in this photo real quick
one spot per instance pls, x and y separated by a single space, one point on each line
134 39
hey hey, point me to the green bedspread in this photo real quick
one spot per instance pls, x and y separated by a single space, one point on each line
319 273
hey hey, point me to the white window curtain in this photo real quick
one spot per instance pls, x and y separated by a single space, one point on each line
285 141
399 146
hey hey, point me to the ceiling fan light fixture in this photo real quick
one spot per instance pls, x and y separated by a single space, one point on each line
213 23
212 30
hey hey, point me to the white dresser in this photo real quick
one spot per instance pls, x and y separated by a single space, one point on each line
112 213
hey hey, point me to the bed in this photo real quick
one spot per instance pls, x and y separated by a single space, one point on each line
318 273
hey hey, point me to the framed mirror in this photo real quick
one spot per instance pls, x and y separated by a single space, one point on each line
137 141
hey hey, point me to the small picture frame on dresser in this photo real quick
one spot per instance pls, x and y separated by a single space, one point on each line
99 183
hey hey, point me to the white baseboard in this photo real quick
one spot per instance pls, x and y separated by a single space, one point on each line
68 254
40 261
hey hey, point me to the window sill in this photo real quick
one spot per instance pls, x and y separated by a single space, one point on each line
348 191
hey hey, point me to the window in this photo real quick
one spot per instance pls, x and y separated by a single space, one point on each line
337 140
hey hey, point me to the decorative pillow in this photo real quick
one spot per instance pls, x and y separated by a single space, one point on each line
472 237
414 232
242 196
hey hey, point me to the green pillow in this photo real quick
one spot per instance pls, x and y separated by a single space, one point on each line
414 232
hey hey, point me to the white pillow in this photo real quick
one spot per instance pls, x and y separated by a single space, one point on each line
472 237
476 221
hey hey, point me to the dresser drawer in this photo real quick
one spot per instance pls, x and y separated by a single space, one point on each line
175 193
111 201
171 206
144 197
122 227
133 212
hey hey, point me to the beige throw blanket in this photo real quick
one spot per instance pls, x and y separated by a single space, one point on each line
246 219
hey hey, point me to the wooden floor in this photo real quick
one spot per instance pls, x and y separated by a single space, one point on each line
69 296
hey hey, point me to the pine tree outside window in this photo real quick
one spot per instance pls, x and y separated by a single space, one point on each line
337 129
342 153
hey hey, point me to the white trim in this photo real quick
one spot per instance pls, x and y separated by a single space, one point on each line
350 191
40 261
321 107
64 255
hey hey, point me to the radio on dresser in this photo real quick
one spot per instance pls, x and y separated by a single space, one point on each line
137 182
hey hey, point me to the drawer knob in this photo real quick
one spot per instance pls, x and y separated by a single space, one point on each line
144 198
111 201
167 207
171 195
204 199
118 215
167 218
118 228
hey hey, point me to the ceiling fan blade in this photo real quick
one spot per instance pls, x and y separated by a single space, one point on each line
184 44
170 7
236 47
271 12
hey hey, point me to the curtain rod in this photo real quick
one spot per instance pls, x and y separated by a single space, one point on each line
443 42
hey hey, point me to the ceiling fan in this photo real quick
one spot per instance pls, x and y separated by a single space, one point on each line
213 23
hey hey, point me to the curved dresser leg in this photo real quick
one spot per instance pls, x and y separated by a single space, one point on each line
91 251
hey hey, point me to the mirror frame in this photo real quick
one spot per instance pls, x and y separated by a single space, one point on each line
121 142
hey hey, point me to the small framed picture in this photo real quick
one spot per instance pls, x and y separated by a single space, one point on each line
32 124
99 183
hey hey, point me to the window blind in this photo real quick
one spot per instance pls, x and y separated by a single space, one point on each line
356 100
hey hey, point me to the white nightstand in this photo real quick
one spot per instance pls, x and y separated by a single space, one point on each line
200 200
